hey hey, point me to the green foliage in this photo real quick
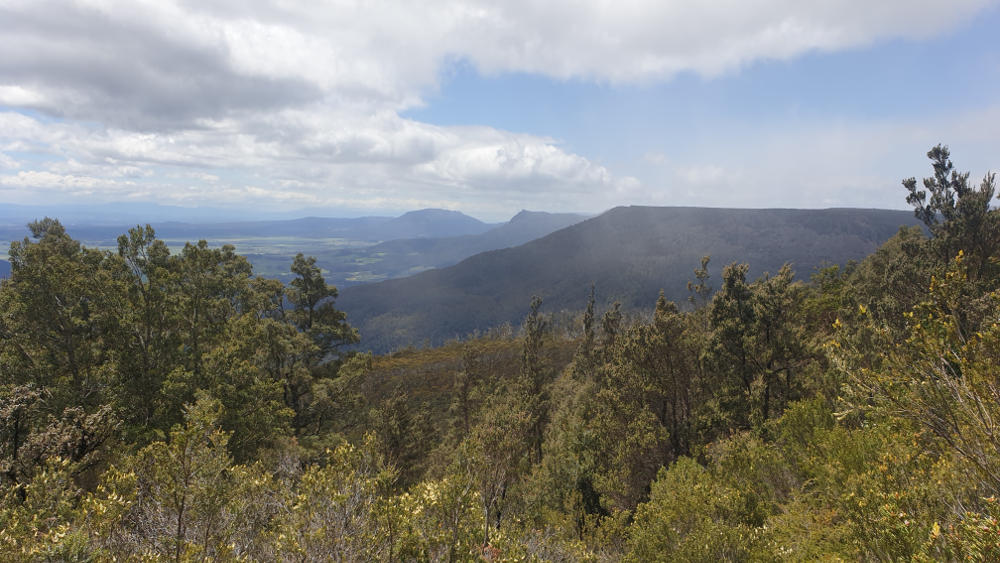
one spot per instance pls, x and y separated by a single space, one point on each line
701 292
758 348
958 215
533 384
134 335
690 517
184 487
495 451
334 512
174 407
314 313
37 518
441 520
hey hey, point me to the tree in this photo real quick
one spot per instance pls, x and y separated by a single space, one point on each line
251 371
958 215
55 316
145 334
757 347
732 318
941 377
480 362
184 488
313 309
494 452
335 513
642 411
690 516
443 519
700 291
534 378
674 362
585 355
611 326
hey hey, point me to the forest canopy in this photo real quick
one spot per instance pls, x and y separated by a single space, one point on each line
165 406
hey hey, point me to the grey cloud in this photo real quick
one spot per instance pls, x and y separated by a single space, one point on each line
133 74
166 64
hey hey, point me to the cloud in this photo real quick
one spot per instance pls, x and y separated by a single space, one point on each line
8 162
156 63
339 161
257 102
634 40
825 162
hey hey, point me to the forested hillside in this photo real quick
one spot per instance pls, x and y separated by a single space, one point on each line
629 253
175 407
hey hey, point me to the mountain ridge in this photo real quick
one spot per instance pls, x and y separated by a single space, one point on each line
629 253
413 224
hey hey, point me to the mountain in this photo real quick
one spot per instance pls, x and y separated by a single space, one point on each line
118 213
630 253
396 258
524 227
351 250
338 243
432 223
415 224
4 269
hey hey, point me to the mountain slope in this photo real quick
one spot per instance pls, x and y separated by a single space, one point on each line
630 253
397 258
415 224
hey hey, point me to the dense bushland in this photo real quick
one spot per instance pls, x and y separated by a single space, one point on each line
176 407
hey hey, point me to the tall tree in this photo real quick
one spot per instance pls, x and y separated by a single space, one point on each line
958 215
700 291
55 315
757 347
146 338
535 375
313 309
585 359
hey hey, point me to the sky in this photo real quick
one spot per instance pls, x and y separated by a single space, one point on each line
347 108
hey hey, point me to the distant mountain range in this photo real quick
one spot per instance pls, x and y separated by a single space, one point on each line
118 213
471 275
351 251
415 224
406 256
426 223
630 253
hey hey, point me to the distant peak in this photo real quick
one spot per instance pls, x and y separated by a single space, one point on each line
524 214
433 211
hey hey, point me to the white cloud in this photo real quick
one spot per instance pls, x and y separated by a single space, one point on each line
825 162
148 61
347 162
8 162
298 103
633 40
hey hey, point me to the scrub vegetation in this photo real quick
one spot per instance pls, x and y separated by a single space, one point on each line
175 407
